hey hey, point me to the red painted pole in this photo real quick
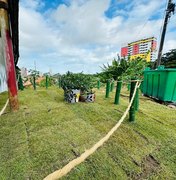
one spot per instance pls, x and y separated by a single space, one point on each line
10 65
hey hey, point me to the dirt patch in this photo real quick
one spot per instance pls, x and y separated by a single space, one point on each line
149 166
75 152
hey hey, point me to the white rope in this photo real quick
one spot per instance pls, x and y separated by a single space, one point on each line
67 168
130 81
4 108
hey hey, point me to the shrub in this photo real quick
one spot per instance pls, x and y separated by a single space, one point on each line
79 81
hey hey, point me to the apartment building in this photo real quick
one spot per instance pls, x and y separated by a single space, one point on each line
145 48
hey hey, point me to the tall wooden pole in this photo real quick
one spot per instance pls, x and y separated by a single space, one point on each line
169 10
9 57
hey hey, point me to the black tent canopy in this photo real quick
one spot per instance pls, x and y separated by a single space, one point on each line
13 10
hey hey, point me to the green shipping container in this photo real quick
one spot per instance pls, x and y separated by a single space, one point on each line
160 83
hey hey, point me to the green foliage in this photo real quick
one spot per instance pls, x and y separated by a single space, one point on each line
80 81
51 82
115 70
43 83
122 68
135 68
20 83
34 73
169 59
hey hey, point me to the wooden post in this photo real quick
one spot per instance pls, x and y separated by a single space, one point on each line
117 95
34 83
137 100
98 84
128 87
8 51
132 108
46 81
60 82
107 88
112 86
20 87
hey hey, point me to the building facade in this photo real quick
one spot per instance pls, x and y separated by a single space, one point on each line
145 48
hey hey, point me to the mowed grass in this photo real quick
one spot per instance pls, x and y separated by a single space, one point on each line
46 133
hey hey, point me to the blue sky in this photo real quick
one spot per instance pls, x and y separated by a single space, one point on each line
81 35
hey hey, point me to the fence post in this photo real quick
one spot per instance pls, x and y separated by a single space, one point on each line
20 83
34 83
98 84
117 95
137 100
128 86
112 86
107 88
132 108
46 81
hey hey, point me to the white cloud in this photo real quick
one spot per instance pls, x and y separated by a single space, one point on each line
142 10
170 44
79 36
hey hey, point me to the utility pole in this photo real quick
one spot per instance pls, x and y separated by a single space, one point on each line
9 56
170 9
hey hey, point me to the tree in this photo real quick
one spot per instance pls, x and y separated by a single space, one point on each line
135 68
169 59
124 69
34 74
115 70
83 82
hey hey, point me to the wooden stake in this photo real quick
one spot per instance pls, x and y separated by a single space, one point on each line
117 95
132 108
107 88
112 86
46 81
34 82
98 84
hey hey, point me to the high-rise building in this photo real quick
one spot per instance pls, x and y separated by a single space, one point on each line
145 48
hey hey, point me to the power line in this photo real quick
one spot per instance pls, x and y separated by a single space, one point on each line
142 28
139 32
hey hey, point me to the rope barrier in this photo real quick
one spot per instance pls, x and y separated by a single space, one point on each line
4 108
67 168
130 81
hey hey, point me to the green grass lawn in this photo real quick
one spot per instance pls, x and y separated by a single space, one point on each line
46 133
